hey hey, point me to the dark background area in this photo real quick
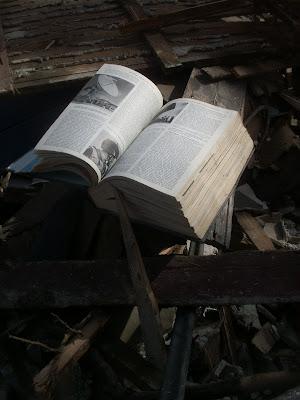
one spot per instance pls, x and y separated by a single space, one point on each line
26 117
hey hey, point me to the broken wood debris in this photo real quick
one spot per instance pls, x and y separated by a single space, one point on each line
245 342
232 34
46 380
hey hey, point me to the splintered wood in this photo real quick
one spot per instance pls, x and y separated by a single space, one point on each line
254 231
46 380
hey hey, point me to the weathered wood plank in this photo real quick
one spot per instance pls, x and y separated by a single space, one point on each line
5 84
217 73
145 299
263 67
156 40
85 34
234 278
41 11
130 364
254 231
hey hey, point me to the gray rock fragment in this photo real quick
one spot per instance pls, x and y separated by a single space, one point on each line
245 199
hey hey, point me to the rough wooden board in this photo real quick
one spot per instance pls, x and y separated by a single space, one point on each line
145 299
262 67
164 52
45 381
217 73
76 73
254 231
227 237
233 278
228 94
4 65
45 227
291 98
86 36
156 40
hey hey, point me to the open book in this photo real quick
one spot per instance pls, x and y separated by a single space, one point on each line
175 165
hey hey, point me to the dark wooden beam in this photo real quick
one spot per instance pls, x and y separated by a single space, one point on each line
254 277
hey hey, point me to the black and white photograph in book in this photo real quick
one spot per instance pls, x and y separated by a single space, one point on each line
167 115
104 91
103 152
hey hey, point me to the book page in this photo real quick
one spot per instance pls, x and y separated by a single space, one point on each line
104 118
173 145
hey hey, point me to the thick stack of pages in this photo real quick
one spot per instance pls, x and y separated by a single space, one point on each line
191 210
176 165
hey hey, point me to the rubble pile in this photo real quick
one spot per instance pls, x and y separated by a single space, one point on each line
85 351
